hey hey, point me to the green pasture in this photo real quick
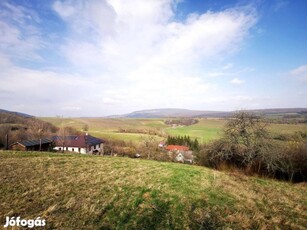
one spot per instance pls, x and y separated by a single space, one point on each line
205 130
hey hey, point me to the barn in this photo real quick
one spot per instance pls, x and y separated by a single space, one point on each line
42 144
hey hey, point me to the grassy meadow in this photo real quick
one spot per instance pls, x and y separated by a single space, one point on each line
94 192
205 130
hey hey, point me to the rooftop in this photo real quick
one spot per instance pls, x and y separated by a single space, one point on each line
77 141
29 143
177 147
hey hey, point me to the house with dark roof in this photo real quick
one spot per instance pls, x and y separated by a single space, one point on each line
85 144
42 144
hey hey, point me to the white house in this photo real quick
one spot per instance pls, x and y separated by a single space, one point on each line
181 153
85 144
185 157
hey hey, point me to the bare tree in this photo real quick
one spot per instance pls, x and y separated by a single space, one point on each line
248 135
244 143
4 135
149 144
85 127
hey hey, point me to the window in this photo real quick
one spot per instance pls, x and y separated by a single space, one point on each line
73 149
66 148
79 150
60 149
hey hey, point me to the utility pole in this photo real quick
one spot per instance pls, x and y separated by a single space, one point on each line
7 141
40 139
63 139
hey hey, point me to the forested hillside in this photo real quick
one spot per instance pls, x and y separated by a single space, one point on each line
22 127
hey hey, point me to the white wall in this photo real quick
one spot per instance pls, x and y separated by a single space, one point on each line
179 157
71 149
82 150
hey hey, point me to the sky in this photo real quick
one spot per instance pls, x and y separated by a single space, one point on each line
105 57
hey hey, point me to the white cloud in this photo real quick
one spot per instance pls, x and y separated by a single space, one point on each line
236 81
144 32
73 108
227 66
110 100
280 4
300 72
125 55
225 71
20 39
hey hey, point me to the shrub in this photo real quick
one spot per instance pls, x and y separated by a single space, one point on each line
288 162
243 144
246 145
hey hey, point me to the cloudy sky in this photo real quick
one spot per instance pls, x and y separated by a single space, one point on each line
103 57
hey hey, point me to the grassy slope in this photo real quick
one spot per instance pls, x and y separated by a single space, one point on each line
75 192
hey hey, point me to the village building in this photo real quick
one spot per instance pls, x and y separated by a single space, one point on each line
84 144
185 157
161 144
42 144
181 153
177 148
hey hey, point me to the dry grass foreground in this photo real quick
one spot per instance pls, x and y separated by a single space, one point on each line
91 192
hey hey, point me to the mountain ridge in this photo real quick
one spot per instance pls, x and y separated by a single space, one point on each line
177 112
16 113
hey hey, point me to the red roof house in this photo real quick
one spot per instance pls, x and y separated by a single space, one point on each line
177 148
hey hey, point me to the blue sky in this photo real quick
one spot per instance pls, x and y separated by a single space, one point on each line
103 57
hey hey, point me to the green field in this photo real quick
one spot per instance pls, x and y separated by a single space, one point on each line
94 192
205 130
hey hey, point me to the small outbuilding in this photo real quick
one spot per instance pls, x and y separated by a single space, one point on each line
42 144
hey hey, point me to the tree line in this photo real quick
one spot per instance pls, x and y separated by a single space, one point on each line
184 141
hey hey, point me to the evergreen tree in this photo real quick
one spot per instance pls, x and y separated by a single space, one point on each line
195 144
189 142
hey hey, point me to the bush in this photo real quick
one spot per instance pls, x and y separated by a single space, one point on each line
246 145
243 144
288 162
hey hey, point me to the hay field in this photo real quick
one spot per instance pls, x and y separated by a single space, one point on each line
95 192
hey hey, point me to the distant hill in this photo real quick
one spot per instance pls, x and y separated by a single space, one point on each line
280 111
161 113
173 112
15 113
